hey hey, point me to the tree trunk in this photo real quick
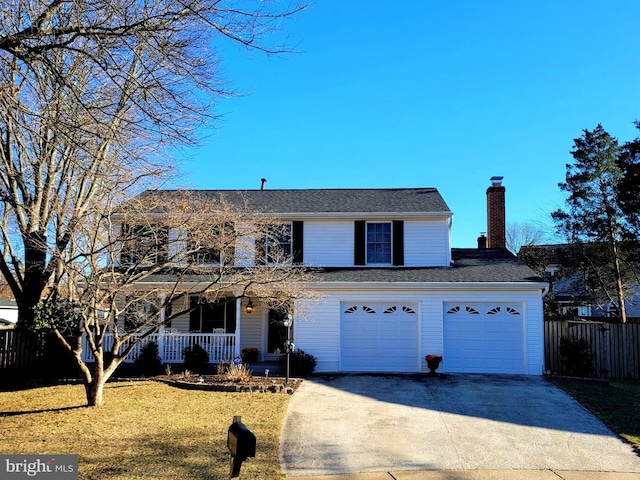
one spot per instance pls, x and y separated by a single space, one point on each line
94 392
35 279
622 310
94 384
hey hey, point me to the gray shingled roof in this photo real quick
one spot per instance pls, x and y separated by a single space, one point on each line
470 265
8 303
402 200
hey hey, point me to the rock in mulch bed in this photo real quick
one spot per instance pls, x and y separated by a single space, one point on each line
220 383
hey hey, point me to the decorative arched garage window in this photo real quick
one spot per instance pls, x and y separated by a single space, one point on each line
354 309
453 310
512 311
404 308
472 311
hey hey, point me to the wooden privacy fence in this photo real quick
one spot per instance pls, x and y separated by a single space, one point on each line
615 347
19 351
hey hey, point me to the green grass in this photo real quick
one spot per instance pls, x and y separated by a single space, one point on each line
144 430
617 405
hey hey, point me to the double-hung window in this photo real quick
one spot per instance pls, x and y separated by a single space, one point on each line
212 245
378 243
278 243
144 244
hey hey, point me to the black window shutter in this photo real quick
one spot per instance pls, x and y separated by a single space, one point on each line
194 315
125 251
231 316
229 243
398 242
261 246
298 242
359 257
162 244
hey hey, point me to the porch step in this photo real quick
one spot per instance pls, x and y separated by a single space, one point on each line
259 369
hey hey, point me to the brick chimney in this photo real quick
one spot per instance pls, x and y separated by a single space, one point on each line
496 228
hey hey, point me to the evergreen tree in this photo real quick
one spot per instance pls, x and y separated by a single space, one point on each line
595 215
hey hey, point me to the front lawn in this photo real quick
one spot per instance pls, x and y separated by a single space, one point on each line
617 405
145 430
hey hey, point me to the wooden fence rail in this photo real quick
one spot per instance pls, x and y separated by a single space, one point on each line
615 347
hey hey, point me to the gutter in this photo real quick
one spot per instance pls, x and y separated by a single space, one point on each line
438 286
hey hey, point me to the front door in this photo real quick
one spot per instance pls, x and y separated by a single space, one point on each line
276 332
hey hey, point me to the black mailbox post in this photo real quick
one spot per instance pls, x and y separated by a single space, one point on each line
241 444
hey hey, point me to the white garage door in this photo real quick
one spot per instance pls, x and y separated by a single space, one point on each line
483 338
379 337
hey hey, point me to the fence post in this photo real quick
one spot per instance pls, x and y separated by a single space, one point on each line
605 368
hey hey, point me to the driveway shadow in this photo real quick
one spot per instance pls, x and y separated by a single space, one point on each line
524 400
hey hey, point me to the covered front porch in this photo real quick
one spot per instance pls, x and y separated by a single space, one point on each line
222 329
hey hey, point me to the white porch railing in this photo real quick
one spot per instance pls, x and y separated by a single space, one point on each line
219 346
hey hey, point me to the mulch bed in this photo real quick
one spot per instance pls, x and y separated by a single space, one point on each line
221 383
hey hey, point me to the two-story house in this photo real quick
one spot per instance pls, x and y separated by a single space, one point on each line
391 287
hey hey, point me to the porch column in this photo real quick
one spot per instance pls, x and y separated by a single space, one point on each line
238 316
161 352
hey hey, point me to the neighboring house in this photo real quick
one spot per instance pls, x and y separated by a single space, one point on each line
569 286
392 288
8 313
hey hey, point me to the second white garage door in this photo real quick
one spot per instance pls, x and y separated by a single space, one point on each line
483 338
379 337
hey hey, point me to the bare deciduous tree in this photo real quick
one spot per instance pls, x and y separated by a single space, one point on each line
92 95
129 271
523 234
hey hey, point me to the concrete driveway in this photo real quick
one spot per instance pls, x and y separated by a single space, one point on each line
366 423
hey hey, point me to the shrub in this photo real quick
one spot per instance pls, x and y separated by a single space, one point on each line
250 354
239 373
148 361
301 363
578 356
196 358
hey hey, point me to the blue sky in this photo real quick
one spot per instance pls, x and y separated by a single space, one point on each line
422 93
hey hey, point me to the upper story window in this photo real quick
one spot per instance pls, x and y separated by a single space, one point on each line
277 244
281 243
144 244
379 243
212 246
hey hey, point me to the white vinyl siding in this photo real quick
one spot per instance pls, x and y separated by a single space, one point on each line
316 330
251 328
328 243
426 243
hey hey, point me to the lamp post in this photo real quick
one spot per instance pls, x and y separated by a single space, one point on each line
288 322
